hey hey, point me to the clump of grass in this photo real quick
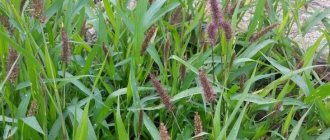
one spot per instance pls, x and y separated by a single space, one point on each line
88 57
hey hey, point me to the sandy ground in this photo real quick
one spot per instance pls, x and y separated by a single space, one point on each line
314 33
309 39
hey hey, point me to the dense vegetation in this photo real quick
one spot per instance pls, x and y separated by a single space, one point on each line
160 69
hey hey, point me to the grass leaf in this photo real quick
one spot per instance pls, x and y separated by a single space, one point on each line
33 123
82 130
296 129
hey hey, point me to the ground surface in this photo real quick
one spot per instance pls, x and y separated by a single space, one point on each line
308 40
312 35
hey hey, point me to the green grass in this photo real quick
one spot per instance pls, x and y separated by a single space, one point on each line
265 89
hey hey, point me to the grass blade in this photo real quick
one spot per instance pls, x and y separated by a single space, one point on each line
295 130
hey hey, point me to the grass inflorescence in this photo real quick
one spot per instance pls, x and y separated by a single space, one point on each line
162 69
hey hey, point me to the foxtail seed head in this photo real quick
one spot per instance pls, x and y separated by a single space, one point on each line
162 93
37 10
66 49
216 13
33 108
198 126
207 87
12 56
176 16
227 29
163 132
150 34
265 30
212 31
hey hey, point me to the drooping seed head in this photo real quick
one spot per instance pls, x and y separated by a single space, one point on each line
208 91
12 68
265 30
162 93
163 132
225 25
150 34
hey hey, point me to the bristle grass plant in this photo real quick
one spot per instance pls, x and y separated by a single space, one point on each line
161 69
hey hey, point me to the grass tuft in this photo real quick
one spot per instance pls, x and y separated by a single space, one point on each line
163 69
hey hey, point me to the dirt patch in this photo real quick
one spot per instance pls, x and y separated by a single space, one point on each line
314 33
307 40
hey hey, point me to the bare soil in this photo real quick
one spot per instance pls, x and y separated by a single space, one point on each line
310 37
